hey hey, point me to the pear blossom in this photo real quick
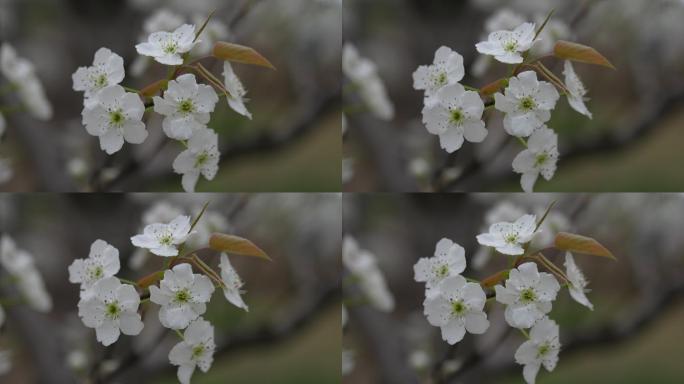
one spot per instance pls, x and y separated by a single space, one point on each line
502 19
364 74
363 265
449 260
115 116
528 295
21 74
508 237
183 296
163 239
111 310
236 91
159 212
186 106
503 211
527 103
107 69
577 282
507 46
232 283
161 20
201 157
540 157
455 115
167 47
102 262
21 266
457 307
447 68
577 92
196 350
541 349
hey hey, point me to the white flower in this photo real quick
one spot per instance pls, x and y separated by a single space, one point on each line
527 103
111 310
456 307
454 115
528 295
540 156
503 18
232 283
576 88
167 47
186 105
21 73
160 212
183 296
5 362
236 91
447 68
102 262
541 349
364 74
21 266
449 260
201 157
196 350
114 116
507 46
364 266
162 239
107 69
507 237
503 211
578 282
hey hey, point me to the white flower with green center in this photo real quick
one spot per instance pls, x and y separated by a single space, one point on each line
527 103
29 282
457 307
111 310
528 295
446 69
201 158
115 116
508 238
186 106
196 350
541 349
236 90
163 239
107 69
455 115
232 283
168 47
578 283
449 260
508 46
577 92
540 157
102 262
182 295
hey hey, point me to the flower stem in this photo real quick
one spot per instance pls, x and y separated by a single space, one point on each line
524 332
179 334
128 281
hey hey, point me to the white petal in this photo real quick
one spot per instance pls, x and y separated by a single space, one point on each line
107 333
451 140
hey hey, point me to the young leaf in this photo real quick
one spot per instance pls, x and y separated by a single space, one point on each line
235 245
580 53
581 244
240 54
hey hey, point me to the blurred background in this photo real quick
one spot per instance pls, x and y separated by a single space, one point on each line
291 333
634 334
630 145
292 144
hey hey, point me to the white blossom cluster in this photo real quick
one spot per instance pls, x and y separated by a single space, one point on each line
364 269
456 304
18 267
112 305
454 112
116 114
364 77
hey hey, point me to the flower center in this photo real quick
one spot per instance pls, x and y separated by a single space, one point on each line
528 295
197 351
101 81
96 273
201 159
457 116
112 310
510 46
511 238
543 350
527 104
441 78
116 118
458 308
170 48
186 106
166 240
442 270
183 296
541 159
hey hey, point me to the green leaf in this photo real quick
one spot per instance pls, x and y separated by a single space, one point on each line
240 54
236 245
580 53
581 244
